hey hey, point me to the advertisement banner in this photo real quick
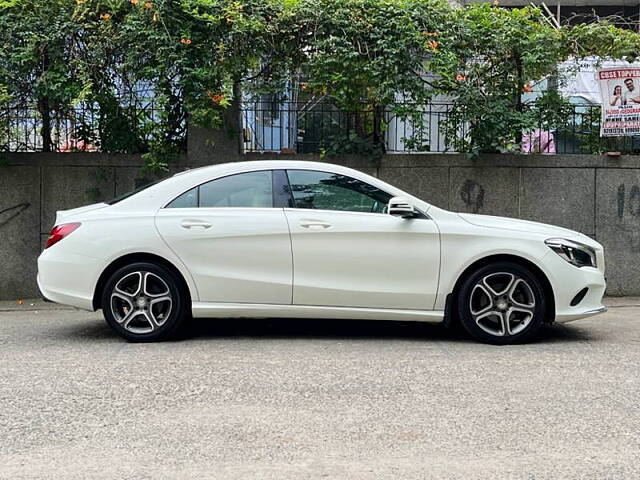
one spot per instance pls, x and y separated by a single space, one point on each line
620 91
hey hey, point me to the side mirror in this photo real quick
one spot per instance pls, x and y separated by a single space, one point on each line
399 207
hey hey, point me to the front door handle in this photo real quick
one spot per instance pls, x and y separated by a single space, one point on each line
314 224
196 224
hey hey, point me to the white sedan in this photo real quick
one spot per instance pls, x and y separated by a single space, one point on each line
312 240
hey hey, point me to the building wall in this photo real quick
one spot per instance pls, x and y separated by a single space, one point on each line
593 194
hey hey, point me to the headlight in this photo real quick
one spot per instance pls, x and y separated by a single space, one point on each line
575 253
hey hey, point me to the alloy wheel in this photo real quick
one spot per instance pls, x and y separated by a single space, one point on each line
502 304
141 302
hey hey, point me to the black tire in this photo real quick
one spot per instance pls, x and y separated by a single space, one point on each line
154 310
509 323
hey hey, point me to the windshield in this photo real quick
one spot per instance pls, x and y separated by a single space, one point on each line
119 198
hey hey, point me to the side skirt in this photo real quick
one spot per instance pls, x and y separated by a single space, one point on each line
255 310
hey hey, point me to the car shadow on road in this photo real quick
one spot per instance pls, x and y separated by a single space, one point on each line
292 329
286 328
305 328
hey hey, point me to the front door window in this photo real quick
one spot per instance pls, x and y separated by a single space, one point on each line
331 191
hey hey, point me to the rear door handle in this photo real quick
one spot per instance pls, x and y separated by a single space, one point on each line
314 224
195 224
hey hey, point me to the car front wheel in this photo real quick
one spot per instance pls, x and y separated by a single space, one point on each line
502 303
143 302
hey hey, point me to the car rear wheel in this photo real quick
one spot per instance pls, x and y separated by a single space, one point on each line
144 302
502 303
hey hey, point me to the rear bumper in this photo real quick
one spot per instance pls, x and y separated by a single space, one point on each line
68 279
57 296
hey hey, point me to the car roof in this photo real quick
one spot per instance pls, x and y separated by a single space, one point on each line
264 164
206 173
157 196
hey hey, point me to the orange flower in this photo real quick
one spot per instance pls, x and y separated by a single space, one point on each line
105 16
304 85
185 41
215 97
433 45
460 78
527 88
134 2
148 5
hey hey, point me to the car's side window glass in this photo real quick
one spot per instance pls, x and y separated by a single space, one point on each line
331 191
186 200
249 190
252 189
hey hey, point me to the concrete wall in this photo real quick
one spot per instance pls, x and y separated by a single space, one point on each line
593 194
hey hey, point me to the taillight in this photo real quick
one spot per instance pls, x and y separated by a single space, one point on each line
59 232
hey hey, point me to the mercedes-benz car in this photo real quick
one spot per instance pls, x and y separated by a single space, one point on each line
312 240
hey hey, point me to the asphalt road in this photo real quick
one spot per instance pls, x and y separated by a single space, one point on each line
283 399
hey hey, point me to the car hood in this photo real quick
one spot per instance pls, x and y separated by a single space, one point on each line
505 223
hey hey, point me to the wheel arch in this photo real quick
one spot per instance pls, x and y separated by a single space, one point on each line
132 258
450 314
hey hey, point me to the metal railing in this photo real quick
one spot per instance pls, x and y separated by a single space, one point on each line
303 128
81 128
295 127
311 128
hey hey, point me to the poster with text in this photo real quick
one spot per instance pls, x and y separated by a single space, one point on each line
620 91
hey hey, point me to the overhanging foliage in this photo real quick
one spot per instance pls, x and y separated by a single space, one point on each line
195 56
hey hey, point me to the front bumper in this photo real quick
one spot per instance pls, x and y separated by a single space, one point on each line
582 314
567 280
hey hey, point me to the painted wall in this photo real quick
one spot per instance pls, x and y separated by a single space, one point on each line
593 194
